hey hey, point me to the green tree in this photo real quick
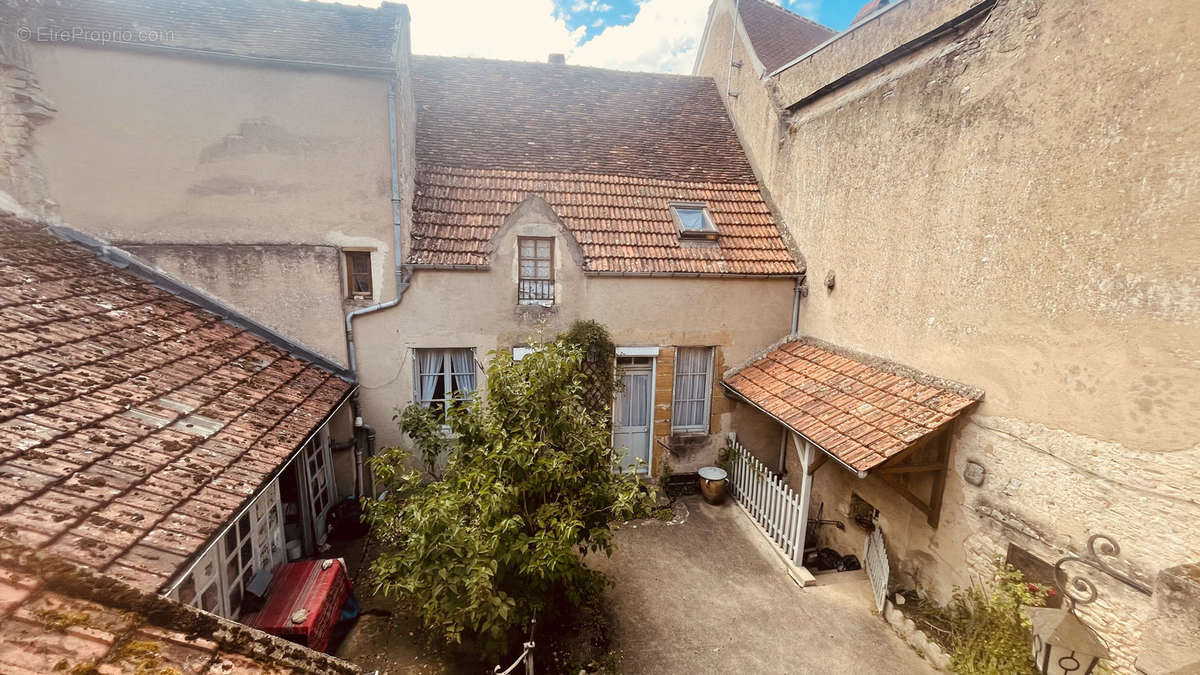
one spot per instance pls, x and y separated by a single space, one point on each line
528 490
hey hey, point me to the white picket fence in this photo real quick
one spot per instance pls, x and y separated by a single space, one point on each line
876 561
768 499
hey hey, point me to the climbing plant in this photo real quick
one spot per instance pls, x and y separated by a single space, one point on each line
599 358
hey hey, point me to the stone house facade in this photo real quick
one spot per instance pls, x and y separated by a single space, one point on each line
985 200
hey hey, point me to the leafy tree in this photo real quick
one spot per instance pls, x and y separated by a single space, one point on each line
528 490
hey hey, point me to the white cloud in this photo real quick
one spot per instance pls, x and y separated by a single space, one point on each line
663 36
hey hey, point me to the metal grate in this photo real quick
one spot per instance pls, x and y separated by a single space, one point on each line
535 291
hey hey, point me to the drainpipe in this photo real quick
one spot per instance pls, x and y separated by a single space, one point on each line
797 285
796 289
401 286
401 283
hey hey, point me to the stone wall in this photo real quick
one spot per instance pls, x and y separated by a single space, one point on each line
1009 202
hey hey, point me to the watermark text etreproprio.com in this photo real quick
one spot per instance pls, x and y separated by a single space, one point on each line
92 35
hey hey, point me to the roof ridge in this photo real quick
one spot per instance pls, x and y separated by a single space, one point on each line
794 15
574 66
430 167
882 363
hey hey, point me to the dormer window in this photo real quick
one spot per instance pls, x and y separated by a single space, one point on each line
693 222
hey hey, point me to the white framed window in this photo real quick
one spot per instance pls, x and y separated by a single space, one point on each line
319 475
252 543
443 375
693 389
535 279
693 221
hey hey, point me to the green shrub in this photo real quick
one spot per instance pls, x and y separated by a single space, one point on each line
984 628
528 488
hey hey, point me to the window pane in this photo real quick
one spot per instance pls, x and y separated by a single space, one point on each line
362 263
692 219
691 393
543 249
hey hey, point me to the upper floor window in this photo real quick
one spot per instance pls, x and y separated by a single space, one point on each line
443 376
693 389
535 279
358 274
693 221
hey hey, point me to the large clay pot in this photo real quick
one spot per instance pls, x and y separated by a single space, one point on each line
712 484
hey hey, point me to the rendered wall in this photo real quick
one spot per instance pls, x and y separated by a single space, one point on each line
242 180
1013 206
478 309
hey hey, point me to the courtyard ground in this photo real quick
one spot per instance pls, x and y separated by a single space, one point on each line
705 593
710 595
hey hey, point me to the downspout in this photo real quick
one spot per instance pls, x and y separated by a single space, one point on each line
797 287
401 287
732 40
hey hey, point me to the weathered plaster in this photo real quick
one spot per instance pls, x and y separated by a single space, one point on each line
1011 206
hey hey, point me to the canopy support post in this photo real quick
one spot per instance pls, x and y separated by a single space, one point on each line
808 456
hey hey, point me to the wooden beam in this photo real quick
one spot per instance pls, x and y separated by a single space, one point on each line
903 490
910 468
939 478
818 463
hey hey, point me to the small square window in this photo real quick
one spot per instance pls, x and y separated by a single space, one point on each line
693 221
358 274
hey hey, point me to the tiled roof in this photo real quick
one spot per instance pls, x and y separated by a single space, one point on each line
58 619
485 114
860 409
777 35
133 424
291 30
607 150
622 224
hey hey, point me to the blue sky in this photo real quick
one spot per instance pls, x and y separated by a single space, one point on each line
648 35
593 16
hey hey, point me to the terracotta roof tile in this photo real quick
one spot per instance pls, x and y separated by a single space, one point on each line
862 410
607 150
777 35
57 618
102 455
312 32
613 238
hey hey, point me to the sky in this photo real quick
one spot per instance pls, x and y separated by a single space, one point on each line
648 35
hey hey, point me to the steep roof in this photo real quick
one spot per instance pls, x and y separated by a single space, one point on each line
133 424
55 617
608 150
288 30
777 35
862 410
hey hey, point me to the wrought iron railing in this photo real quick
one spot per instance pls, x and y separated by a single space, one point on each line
535 291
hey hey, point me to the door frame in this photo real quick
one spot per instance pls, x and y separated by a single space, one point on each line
631 352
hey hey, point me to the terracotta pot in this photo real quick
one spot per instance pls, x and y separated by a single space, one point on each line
713 484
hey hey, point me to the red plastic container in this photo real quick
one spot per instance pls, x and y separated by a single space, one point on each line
305 586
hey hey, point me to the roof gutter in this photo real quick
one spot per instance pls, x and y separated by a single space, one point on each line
209 54
696 275
739 396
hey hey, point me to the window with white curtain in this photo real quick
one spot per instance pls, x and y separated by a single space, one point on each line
693 389
444 375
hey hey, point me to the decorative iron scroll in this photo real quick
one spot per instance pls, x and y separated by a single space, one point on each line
1082 590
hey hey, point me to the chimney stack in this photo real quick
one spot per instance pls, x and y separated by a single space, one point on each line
557 59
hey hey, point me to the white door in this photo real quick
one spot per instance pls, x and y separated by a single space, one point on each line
632 412
318 474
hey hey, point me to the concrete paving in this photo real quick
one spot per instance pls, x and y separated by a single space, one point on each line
710 595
